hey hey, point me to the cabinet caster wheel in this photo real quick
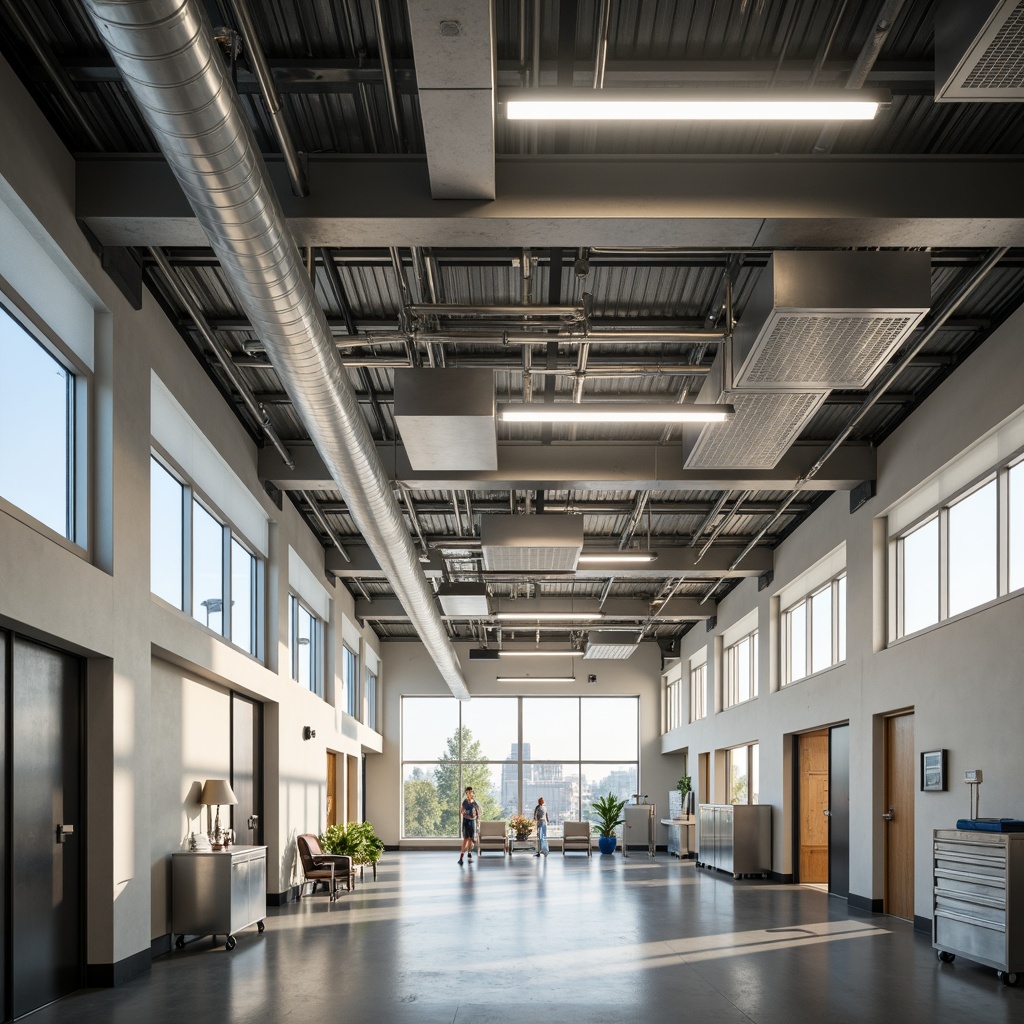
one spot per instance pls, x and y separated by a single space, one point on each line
946 958
230 944
1008 978
260 927
179 942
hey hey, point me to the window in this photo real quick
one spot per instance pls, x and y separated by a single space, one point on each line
371 699
512 750
189 542
742 773
351 681
305 640
674 702
963 555
739 671
698 691
814 632
37 435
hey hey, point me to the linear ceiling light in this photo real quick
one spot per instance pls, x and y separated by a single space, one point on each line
615 412
661 105
535 679
548 616
620 557
541 654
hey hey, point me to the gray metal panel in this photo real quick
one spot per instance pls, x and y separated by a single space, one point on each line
523 543
463 599
446 418
828 319
979 51
610 644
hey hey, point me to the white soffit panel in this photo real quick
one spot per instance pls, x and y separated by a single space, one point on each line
467 600
829 319
540 543
446 418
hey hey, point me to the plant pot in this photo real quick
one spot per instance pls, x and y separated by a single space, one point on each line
522 837
606 844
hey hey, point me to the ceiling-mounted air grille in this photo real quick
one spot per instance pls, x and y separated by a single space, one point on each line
759 434
610 644
818 320
545 543
979 51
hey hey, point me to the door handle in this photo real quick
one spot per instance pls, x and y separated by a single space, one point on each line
890 815
826 812
253 820
64 832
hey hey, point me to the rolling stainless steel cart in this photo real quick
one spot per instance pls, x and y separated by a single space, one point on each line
640 827
978 899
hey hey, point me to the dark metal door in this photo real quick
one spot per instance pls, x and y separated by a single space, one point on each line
247 770
46 826
839 810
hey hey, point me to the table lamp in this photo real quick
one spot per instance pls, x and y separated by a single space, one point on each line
217 792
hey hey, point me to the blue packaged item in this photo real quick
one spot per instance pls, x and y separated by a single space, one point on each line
990 825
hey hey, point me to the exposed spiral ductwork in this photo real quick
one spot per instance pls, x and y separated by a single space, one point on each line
167 56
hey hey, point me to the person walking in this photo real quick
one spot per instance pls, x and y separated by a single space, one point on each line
470 813
540 816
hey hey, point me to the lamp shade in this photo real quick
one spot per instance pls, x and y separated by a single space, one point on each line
217 792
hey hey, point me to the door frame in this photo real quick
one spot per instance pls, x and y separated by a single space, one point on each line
797 794
884 793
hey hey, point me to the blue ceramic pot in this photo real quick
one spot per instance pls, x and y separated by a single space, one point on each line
606 844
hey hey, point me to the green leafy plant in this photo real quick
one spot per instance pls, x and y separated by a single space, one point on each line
520 824
357 840
608 811
683 785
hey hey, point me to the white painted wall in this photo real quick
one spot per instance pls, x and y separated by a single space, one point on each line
411 672
963 679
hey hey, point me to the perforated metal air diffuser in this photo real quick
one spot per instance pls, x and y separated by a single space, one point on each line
543 543
979 51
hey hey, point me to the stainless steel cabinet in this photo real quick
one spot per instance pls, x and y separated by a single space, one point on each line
218 892
978 899
736 838
640 827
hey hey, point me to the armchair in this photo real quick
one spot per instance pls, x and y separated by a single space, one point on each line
576 837
319 867
492 837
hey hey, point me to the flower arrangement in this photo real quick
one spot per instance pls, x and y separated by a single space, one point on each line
520 825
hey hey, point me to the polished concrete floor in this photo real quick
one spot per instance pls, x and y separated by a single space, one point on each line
557 939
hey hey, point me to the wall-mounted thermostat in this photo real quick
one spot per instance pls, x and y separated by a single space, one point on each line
973 776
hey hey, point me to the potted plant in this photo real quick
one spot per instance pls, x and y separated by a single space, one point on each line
521 827
608 812
683 785
357 839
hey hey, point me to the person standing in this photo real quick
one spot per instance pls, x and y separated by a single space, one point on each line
540 816
470 816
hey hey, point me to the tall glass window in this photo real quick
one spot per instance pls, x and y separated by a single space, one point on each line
167 535
743 773
920 577
814 632
739 666
1015 486
973 550
306 645
674 704
371 699
207 569
698 691
243 596
350 680
567 750
36 429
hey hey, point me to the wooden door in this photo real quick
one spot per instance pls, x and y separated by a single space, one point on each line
812 761
47 833
898 816
839 811
332 788
352 788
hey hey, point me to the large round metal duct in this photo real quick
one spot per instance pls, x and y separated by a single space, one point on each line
168 59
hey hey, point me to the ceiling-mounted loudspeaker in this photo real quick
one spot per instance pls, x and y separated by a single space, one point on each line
978 51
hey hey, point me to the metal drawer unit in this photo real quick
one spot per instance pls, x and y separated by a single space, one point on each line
736 838
978 899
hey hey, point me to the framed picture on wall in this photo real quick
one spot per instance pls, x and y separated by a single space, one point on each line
933 770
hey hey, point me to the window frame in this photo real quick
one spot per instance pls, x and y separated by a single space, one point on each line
730 670
316 644
350 680
75 536
698 691
371 698
753 755
838 625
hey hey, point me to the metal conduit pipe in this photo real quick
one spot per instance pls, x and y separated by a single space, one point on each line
271 99
332 534
184 298
709 518
721 526
384 50
945 311
421 309
169 61
623 337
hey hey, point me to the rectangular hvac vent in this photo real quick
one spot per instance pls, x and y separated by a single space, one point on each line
543 543
610 644
828 319
446 418
758 435
979 51
467 600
